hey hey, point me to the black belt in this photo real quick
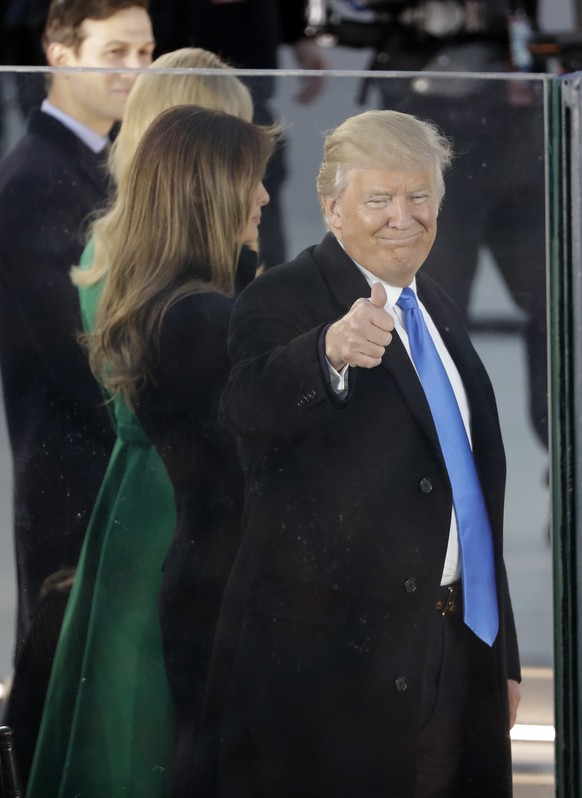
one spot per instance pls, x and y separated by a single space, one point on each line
450 599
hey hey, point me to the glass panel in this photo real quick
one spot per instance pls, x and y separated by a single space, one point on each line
565 288
490 255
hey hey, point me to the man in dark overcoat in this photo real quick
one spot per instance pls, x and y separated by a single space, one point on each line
346 662
60 435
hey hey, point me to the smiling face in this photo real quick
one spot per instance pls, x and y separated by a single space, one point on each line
250 233
123 40
386 219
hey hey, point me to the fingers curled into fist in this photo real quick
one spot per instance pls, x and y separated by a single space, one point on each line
361 336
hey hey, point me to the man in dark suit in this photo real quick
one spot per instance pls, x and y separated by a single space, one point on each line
58 428
354 656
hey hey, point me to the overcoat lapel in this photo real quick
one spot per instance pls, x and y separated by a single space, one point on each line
94 166
457 341
454 337
344 280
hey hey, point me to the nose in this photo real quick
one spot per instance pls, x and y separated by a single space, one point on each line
399 213
262 195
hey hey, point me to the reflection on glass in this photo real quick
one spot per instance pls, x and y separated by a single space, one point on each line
490 256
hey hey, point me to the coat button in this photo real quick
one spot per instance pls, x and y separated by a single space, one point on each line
401 684
425 485
410 585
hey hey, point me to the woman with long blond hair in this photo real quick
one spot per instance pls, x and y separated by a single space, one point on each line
107 723
154 92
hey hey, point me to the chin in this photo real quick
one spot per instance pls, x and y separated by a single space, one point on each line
403 277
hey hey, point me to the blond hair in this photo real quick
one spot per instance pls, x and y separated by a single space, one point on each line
182 212
153 93
381 140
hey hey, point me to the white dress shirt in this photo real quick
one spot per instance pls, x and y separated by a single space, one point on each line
93 140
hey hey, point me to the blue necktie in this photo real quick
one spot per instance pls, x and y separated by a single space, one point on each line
478 569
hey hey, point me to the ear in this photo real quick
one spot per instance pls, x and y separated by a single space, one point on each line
333 212
59 55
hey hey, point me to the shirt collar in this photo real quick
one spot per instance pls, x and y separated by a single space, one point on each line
93 140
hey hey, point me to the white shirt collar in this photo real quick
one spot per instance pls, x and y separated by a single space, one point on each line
93 140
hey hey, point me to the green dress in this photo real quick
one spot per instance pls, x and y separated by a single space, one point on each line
107 723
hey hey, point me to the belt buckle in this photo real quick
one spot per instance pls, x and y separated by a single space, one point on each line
449 603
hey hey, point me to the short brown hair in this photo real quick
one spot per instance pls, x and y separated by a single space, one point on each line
65 17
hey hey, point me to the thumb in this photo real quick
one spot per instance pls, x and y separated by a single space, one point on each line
378 297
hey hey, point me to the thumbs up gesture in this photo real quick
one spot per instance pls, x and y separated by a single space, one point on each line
360 337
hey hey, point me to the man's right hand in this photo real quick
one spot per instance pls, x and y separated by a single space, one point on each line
360 337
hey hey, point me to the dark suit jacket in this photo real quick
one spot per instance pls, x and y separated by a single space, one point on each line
59 432
322 639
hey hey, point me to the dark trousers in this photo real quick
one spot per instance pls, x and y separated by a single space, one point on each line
445 703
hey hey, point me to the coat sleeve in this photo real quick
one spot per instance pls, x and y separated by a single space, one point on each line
510 633
192 363
179 412
279 385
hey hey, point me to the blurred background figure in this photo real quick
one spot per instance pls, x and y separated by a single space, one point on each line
178 249
59 433
247 34
21 25
107 723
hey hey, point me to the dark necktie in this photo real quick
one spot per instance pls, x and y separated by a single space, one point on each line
478 569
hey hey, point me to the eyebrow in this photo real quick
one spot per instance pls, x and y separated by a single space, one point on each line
125 43
388 193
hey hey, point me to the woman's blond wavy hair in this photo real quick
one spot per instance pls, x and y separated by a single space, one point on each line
181 214
153 93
